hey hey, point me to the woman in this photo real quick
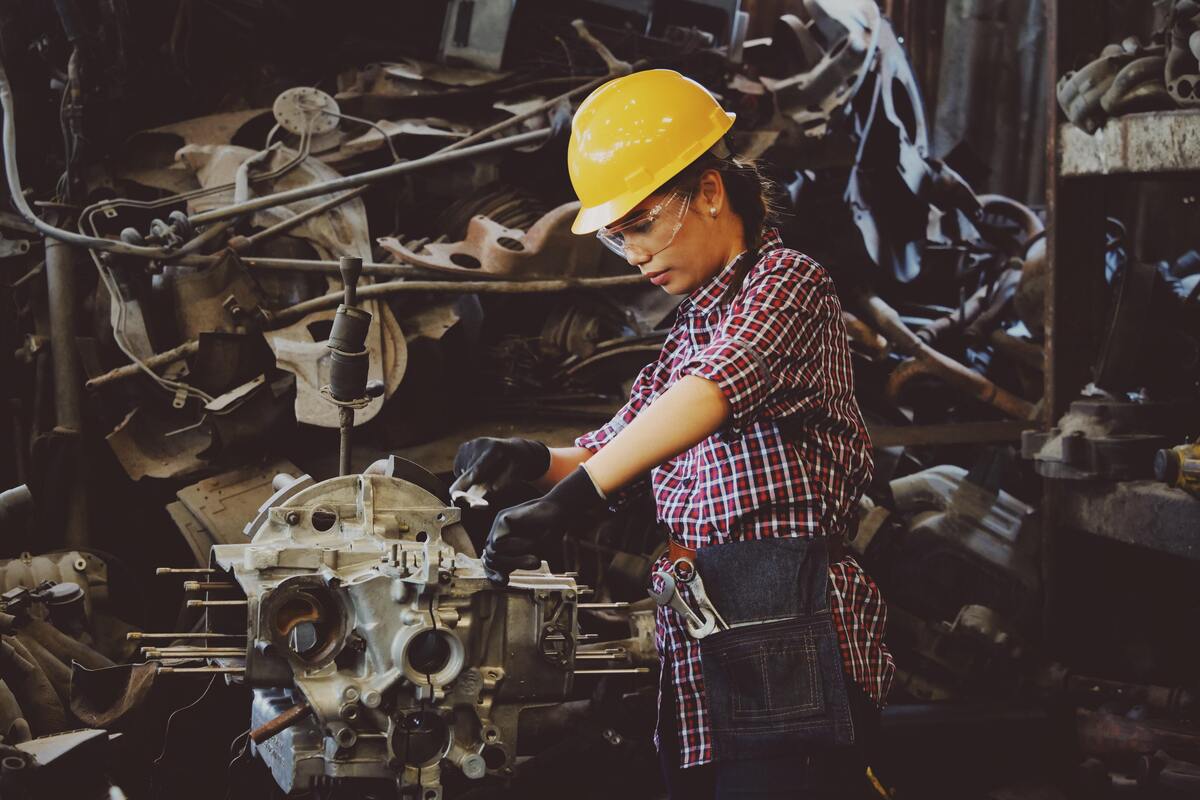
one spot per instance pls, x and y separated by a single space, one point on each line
756 451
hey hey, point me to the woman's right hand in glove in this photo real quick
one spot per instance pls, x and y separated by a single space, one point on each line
497 465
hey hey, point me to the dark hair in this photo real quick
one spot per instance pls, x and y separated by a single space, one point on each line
753 196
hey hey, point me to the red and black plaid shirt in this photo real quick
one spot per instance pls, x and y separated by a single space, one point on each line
778 352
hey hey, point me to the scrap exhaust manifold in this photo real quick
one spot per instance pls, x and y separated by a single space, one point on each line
376 647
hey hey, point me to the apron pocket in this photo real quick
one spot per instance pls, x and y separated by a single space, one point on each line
774 688
773 678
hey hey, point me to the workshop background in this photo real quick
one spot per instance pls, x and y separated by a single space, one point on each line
193 603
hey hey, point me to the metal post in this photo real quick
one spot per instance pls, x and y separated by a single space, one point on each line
345 427
60 287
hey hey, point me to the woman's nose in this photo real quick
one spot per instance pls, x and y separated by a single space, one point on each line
635 257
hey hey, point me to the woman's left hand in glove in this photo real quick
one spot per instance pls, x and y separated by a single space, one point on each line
517 532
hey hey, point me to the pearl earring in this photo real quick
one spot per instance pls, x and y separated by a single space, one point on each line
712 211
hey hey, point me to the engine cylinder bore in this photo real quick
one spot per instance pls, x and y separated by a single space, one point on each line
428 652
420 738
432 656
305 620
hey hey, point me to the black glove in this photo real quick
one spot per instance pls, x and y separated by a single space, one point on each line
513 541
498 464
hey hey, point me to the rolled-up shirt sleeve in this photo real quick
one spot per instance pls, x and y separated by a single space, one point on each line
768 344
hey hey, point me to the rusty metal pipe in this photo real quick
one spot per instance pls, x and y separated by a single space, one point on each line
60 292
160 360
281 723
289 315
925 360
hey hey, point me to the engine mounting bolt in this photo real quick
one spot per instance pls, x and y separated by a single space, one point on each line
372 698
349 711
345 737
292 518
474 767
350 694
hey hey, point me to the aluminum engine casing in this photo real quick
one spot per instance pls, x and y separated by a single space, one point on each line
365 600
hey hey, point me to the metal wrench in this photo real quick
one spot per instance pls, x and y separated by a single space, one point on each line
696 586
670 596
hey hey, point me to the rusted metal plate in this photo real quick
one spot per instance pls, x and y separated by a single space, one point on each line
1135 144
214 510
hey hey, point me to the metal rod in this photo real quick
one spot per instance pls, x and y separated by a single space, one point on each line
368 177
183 571
134 636
289 315
208 603
60 290
621 604
345 428
628 671
579 637
161 360
192 652
207 586
600 656
243 243
281 723
208 670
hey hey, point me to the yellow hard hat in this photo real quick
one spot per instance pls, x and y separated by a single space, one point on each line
632 135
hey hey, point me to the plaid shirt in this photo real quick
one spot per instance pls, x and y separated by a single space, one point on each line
779 353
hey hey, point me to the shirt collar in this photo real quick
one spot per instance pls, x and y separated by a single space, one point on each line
706 297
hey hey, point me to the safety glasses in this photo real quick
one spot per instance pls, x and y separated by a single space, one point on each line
649 232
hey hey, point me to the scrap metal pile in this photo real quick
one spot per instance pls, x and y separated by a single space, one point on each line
178 320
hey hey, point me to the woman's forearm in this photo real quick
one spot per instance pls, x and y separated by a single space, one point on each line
563 461
690 411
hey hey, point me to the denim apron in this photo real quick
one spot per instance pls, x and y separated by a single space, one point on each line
774 680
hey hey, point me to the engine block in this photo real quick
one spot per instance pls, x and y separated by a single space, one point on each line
370 620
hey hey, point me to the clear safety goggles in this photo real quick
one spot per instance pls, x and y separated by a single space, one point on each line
649 232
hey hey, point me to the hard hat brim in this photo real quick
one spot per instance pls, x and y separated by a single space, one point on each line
593 218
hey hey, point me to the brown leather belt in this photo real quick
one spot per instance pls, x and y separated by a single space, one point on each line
835 546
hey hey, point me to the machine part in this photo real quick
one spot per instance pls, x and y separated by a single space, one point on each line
1179 467
215 510
369 177
548 249
304 110
826 54
1182 67
1102 439
84 570
923 359
221 298
355 593
962 542
1125 77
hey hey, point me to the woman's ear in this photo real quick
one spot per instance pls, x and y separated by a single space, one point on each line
711 193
